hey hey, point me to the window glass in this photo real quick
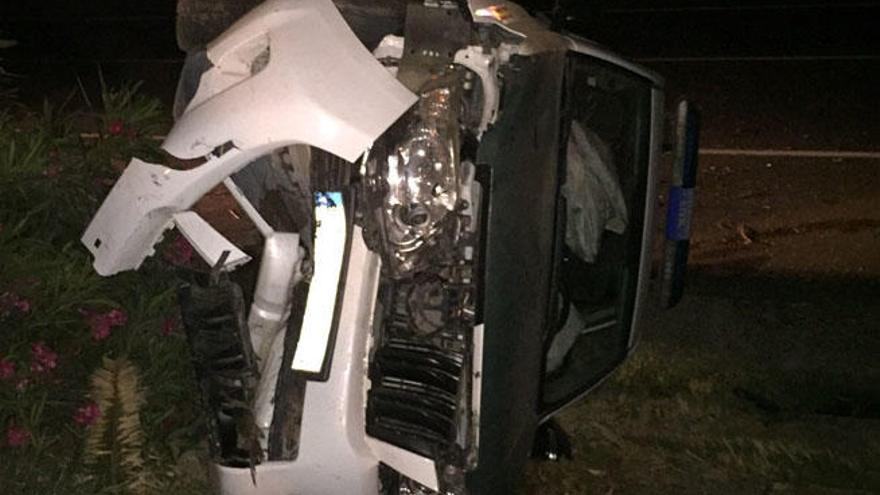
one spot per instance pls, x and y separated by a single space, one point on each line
606 166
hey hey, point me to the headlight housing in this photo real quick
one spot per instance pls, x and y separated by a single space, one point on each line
413 177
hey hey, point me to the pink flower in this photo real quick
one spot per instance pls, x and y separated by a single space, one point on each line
87 415
100 327
102 323
179 252
7 369
170 325
44 358
22 305
53 171
22 384
16 436
115 127
10 301
116 317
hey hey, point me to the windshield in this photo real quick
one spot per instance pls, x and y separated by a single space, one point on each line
607 159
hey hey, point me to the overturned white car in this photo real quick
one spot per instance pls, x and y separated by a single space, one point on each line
467 251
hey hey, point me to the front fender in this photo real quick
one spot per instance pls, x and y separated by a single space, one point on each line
290 72
320 86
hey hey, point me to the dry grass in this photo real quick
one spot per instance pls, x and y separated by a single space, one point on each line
689 420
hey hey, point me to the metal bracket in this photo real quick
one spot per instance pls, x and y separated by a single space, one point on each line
432 36
485 65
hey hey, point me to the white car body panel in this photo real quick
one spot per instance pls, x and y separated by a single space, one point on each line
335 454
267 321
320 87
142 205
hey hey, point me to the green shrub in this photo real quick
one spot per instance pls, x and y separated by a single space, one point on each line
62 323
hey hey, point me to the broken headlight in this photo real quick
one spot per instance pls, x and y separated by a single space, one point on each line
413 179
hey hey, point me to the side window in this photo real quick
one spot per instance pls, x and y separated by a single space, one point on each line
606 164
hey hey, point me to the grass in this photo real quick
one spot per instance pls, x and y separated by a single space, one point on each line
62 323
695 415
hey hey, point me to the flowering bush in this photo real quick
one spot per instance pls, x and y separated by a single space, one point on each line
61 322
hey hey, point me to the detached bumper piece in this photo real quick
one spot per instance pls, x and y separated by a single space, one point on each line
215 327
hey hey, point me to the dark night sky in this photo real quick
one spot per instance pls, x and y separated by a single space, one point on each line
134 39
136 29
